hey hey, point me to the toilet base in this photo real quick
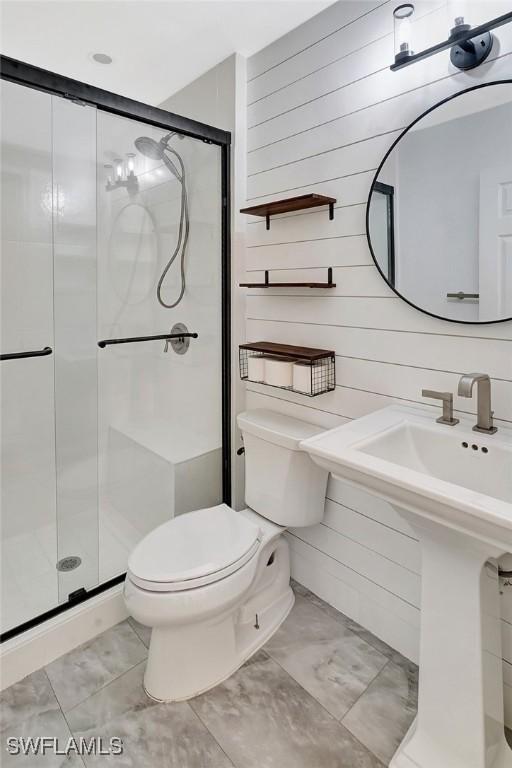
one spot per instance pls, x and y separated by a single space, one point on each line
184 662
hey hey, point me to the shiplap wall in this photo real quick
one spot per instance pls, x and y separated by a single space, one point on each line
323 108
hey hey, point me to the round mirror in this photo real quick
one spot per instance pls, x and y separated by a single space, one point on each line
439 215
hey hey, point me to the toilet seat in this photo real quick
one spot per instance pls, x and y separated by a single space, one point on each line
194 549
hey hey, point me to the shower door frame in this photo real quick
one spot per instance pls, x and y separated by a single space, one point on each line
30 76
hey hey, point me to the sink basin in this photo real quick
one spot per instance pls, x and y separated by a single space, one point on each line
454 487
407 457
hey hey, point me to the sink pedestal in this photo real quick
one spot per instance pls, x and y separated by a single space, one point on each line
459 502
460 706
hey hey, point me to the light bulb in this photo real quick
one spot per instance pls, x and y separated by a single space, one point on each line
130 162
458 12
404 33
108 169
119 169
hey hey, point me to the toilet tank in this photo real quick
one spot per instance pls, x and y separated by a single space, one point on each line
281 482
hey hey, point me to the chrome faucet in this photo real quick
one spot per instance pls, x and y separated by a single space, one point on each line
484 412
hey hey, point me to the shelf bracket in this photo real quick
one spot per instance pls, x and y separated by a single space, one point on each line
331 215
268 284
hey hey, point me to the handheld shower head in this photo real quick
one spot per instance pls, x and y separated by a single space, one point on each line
160 150
150 148
156 151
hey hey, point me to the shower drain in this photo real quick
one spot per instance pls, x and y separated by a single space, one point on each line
69 563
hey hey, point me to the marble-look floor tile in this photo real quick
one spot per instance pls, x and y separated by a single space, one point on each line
325 657
31 696
381 717
144 633
48 723
262 718
349 623
85 670
154 735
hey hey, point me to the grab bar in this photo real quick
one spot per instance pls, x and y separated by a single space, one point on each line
161 337
19 355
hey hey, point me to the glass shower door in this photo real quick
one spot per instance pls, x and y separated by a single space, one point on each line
75 359
49 425
111 230
28 496
160 413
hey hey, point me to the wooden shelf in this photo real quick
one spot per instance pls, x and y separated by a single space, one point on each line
268 284
300 203
308 354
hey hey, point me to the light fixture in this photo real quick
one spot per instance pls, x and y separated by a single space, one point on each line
402 16
108 169
130 163
118 165
122 174
469 46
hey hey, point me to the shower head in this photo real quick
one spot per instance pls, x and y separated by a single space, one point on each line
151 148
156 151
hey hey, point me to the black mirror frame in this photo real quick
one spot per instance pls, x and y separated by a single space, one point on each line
375 181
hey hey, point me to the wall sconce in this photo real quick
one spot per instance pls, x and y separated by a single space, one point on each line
402 17
122 174
469 46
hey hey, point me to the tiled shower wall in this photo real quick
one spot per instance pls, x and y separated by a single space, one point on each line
323 108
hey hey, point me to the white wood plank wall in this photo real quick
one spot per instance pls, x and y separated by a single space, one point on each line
323 107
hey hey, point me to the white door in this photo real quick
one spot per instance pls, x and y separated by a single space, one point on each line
495 259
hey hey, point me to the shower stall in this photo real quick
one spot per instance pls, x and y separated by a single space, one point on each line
115 338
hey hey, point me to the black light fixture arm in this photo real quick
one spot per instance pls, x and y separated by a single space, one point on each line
474 42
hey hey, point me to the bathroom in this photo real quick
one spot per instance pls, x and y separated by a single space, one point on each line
213 285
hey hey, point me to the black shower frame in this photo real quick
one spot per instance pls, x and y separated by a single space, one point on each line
41 79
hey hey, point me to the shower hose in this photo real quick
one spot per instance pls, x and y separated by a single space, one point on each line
183 233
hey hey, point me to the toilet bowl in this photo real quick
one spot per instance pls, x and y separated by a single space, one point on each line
214 584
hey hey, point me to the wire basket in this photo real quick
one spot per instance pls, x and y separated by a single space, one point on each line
317 374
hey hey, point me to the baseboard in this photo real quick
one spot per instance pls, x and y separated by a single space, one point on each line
39 646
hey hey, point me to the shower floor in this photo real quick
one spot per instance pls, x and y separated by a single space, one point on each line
30 582
148 471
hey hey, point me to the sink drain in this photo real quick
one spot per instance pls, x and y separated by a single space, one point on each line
69 563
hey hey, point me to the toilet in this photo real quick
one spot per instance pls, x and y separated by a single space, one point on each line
214 584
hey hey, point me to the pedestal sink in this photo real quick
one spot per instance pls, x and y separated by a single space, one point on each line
454 487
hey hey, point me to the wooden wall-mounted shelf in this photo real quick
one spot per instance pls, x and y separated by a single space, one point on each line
300 203
268 284
308 354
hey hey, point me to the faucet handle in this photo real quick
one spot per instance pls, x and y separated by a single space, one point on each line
447 400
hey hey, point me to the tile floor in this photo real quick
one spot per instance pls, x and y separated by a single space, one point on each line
323 693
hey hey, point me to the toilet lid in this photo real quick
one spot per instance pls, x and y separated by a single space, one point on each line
193 549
